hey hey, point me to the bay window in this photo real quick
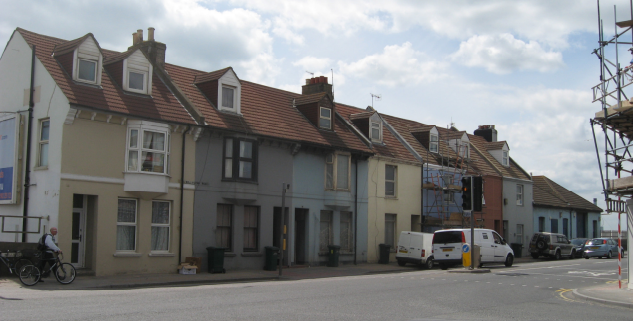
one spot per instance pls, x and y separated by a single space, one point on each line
337 171
147 148
240 159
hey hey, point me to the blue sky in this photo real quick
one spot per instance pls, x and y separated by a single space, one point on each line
524 66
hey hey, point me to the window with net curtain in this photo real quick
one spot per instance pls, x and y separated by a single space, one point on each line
251 228
347 236
126 225
325 231
337 171
223 231
160 225
152 153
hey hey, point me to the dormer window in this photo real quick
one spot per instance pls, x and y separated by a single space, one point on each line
375 134
137 74
433 143
325 120
87 70
228 97
505 158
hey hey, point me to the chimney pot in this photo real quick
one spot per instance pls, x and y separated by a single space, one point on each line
150 34
322 79
312 81
140 35
134 39
307 81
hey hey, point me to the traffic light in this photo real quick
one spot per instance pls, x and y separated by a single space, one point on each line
467 201
478 187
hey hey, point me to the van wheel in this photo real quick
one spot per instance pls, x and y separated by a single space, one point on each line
443 266
557 255
535 255
401 263
429 263
509 260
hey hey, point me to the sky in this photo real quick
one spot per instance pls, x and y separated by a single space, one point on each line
524 66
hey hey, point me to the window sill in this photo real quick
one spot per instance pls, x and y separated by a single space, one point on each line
147 173
40 168
127 254
229 254
252 254
391 198
161 254
233 180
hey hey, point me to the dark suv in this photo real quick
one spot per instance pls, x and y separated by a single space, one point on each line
552 245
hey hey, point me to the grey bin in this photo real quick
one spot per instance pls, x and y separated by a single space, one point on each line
333 254
272 254
216 259
384 253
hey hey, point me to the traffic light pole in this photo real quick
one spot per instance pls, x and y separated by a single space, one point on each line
472 241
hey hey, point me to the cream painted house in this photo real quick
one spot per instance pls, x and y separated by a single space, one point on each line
112 153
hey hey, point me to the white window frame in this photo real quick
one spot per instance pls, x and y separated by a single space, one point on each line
134 224
141 127
505 158
167 225
375 125
331 160
520 194
96 70
145 79
394 181
44 142
234 108
329 119
434 145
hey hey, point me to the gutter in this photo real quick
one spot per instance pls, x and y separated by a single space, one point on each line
356 211
182 191
27 175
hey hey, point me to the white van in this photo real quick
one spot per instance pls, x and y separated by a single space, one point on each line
447 247
416 248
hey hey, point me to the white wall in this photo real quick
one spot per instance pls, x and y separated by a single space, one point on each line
15 77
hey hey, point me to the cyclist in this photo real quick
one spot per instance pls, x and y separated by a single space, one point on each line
47 254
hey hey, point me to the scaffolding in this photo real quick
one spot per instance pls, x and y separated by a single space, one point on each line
440 208
615 119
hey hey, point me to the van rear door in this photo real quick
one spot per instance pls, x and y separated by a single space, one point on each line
447 245
403 244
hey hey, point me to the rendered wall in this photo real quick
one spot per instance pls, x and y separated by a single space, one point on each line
559 214
518 214
404 205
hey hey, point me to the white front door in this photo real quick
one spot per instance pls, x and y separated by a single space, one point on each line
78 237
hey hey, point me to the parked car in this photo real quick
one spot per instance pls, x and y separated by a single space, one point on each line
552 245
600 247
416 248
447 247
580 246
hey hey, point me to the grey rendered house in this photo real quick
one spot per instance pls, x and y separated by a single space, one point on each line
559 210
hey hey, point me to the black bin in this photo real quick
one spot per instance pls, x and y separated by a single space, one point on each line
384 253
333 253
216 259
517 249
272 254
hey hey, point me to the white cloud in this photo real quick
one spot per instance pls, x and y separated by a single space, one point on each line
503 54
395 66
313 64
262 69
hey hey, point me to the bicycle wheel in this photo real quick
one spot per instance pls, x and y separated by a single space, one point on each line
29 275
20 263
65 273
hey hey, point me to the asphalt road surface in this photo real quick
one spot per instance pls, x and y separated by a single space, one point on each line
529 291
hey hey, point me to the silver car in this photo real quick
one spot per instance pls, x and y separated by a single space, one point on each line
601 247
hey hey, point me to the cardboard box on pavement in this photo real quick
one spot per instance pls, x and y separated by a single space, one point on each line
186 268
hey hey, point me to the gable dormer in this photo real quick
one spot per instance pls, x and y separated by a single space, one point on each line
132 71
460 143
428 136
223 88
318 108
369 124
500 151
82 59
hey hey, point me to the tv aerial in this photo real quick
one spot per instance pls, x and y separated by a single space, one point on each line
311 73
377 97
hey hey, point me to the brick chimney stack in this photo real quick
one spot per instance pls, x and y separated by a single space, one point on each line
152 48
488 132
317 85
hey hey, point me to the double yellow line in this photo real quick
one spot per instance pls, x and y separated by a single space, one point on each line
562 292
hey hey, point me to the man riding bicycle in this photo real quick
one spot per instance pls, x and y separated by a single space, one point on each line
48 240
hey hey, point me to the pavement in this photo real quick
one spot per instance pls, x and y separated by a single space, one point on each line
608 293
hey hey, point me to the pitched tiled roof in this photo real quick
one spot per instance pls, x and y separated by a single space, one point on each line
391 146
547 193
421 128
402 127
69 46
513 170
454 135
495 145
110 97
115 57
309 99
210 76
479 159
362 115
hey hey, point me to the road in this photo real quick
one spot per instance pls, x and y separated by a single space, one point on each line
528 291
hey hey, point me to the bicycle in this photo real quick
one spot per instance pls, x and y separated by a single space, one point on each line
65 273
14 261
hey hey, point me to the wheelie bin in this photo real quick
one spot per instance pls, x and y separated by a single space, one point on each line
384 253
333 254
272 254
216 259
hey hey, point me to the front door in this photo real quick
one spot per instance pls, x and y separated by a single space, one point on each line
300 235
78 231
